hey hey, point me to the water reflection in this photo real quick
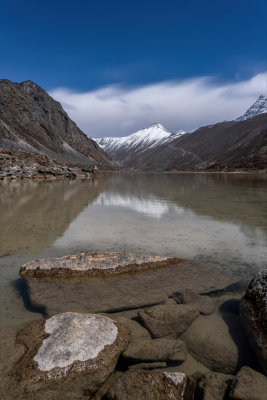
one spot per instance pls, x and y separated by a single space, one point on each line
219 219
34 214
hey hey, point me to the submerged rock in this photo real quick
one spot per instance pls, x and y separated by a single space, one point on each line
253 311
94 265
203 304
168 319
116 292
156 350
219 343
67 356
249 385
210 386
144 385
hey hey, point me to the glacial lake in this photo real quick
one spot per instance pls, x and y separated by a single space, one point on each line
219 219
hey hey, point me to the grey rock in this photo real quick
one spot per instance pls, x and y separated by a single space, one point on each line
249 385
203 304
156 350
219 343
211 386
146 385
253 311
138 332
168 320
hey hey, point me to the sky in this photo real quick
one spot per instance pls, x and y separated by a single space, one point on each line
118 66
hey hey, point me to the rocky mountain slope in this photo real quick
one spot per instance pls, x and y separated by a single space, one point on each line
124 149
223 146
33 122
259 107
232 145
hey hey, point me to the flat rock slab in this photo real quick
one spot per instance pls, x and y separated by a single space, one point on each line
156 350
145 385
113 293
67 355
94 265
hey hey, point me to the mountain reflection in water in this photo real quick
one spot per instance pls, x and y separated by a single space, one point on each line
210 217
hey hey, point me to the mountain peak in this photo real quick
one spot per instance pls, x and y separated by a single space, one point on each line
156 125
259 107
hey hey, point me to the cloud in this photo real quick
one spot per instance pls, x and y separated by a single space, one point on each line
118 110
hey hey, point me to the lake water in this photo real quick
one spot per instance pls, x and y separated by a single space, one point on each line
219 219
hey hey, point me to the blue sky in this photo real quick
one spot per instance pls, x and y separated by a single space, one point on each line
87 46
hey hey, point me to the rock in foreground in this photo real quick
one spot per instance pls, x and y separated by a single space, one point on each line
203 304
94 265
67 355
168 319
219 343
143 385
249 385
156 350
253 311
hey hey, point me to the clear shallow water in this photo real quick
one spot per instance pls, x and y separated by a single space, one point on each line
220 219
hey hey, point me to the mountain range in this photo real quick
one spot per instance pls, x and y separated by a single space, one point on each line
36 130
38 139
239 144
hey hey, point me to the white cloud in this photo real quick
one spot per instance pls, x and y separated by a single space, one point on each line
117 110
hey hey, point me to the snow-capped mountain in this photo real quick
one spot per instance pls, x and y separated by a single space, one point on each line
153 136
148 137
259 107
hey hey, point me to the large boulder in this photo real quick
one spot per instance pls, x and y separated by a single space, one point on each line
204 304
109 289
156 350
144 385
249 385
94 265
66 356
219 343
253 311
168 319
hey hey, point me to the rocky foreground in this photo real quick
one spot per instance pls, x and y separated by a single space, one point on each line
25 165
190 345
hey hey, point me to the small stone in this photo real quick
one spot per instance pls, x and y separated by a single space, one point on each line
204 304
249 385
211 387
156 350
168 319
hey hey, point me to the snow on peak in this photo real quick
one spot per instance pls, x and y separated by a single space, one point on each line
259 107
139 141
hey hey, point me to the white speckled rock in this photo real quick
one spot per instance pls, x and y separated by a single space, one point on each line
68 355
74 337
